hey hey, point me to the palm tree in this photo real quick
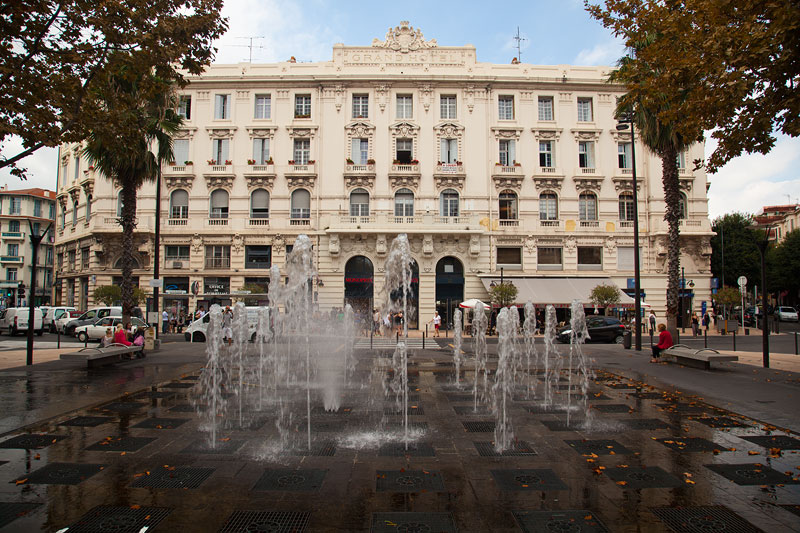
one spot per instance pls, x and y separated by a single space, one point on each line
661 138
123 152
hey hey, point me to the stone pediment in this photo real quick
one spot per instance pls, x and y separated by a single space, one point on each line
404 38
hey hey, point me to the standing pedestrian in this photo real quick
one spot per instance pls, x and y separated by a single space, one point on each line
695 325
652 323
227 321
706 320
437 322
376 322
164 322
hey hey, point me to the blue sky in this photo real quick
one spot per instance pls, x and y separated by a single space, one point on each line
557 32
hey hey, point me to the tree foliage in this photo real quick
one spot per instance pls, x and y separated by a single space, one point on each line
728 298
112 294
503 294
729 66
786 265
58 56
605 295
740 254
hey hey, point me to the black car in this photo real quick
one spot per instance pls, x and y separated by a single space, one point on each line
601 329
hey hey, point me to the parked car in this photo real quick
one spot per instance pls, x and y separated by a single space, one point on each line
97 330
14 320
786 314
90 317
196 330
52 314
61 322
601 329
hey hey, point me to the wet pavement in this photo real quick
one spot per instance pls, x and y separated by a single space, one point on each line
665 448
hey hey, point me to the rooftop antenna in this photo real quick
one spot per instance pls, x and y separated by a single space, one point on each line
250 45
519 40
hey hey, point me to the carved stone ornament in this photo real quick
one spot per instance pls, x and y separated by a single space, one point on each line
622 184
611 245
367 182
548 183
507 133
261 132
404 130
333 245
301 132
259 181
184 133
508 182
404 182
586 135
382 95
237 243
427 245
75 194
62 200
306 182
214 181
445 181
570 244
278 243
404 38
449 130
620 136
197 243
178 182
546 134
685 183
221 133
474 245
88 187
530 244
469 97
359 130
584 183
425 92
380 245
338 92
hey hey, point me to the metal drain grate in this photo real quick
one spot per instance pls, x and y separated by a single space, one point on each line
649 395
318 449
619 386
253 424
409 481
105 518
550 521
561 425
721 422
791 508
460 397
161 423
598 447
520 448
122 407
329 426
412 522
86 421
191 378
420 426
33 441
648 477
644 423
783 442
612 408
177 385
153 395
173 477
266 521
479 426
120 444
221 446
188 408
752 474
691 444
412 410
399 449
703 519
11 511
546 409
288 480
683 408
471 410
63 473
528 480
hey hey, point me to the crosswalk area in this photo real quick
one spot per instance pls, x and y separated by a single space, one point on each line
381 342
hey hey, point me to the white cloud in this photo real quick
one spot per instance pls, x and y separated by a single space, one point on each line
601 54
42 166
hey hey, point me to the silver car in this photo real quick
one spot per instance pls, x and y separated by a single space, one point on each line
786 314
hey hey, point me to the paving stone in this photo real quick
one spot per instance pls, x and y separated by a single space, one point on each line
598 447
519 479
10 511
752 474
721 422
62 474
409 481
161 423
703 519
552 521
177 477
32 441
691 444
291 480
647 477
120 444
106 518
612 408
413 522
783 442
87 421
518 449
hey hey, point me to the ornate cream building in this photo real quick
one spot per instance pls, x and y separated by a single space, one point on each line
515 170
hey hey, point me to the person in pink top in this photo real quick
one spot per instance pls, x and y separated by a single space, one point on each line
664 342
120 337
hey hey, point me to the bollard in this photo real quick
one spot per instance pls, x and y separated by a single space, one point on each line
426 329
86 341
795 343
705 338
651 337
734 341
58 334
397 337
423 337
370 339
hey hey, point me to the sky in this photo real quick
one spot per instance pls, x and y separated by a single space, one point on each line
554 32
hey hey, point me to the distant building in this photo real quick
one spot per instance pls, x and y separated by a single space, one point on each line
780 218
20 211
490 169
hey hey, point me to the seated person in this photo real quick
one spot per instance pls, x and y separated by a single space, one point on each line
664 342
108 340
121 337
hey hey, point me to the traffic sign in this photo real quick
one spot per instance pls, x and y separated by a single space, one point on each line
742 281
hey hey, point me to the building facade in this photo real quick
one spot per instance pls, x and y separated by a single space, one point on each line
23 211
491 170
781 219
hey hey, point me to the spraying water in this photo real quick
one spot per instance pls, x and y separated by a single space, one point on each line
552 359
503 387
578 335
479 324
212 380
531 353
457 342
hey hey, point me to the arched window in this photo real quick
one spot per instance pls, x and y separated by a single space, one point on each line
587 206
404 203
548 206
359 203
119 204
448 203
88 208
301 204
259 204
508 205
179 204
682 206
626 206
218 204
75 213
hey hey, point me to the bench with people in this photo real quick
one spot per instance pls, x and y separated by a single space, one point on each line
122 344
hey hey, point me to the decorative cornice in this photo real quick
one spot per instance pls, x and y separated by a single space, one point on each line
625 183
360 128
306 182
260 181
620 136
179 181
586 134
221 133
449 181
364 181
304 131
585 183
685 183
88 186
184 133
449 130
508 182
403 181
548 182
75 194
547 134
404 38
214 181
261 132
404 129
506 132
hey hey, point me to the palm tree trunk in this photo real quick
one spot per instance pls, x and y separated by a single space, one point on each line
128 222
672 197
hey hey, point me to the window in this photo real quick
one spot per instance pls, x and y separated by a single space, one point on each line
360 106
258 256
13 250
77 168
548 206
626 206
37 208
585 110
545 108
404 151
586 154
405 106
590 258
60 258
119 204
624 155
302 106
505 108
263 106
302 151
546 154
259 204
63 221
508 205
447 106
48 256
301 204
359 151
13 226
176 253
180 151
218 256
404 203
448 203
359 203
449 151
261 151
88 208
36 227
222 106
52 213
11 274
185 106
85 259
15 205
509 257
179 204
625 257
218 204
508 152
74 213
682 206
549 258
64 173
219 151
682 161
587 206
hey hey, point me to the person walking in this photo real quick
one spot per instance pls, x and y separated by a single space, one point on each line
164 322
437 322
664 342
695 325
652 323
227 321
376 322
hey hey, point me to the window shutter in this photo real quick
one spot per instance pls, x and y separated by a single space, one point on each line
224 143
355 151
218 106
512 152
443 157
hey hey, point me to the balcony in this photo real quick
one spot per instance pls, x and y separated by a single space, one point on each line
508 170
11 259
260 222
301 175
215 222
260 175
359 175
389 222
450 169
177 221
585 170
218 262
549 223
178 176
402 169
299 221
508 223
177 263
589 224
14 235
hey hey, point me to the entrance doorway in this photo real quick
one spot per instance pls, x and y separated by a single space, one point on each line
449 287
358 285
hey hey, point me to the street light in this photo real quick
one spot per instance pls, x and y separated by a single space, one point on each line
762 249
624 121
36 240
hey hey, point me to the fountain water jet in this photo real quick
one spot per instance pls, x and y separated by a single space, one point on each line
457 342
529 338
479 324
552 359
504 382
577 336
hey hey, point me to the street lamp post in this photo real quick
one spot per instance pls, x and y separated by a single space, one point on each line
637 302
36 240
762 249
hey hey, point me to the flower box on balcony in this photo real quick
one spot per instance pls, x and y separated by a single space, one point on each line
212 162
188 163
251 161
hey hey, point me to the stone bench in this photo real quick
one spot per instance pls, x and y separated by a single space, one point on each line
696 358
106 355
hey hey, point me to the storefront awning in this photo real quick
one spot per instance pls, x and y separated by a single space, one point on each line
559 292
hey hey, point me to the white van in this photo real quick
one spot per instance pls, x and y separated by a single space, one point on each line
196 330
53 314
14 320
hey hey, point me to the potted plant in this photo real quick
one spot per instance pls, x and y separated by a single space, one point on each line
415 162
311 161
251 161
349 161
228 162
269 161
188 163
91 167
458 163
370 161
396 162
212 161
516 164
291 161
498 164
171 163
